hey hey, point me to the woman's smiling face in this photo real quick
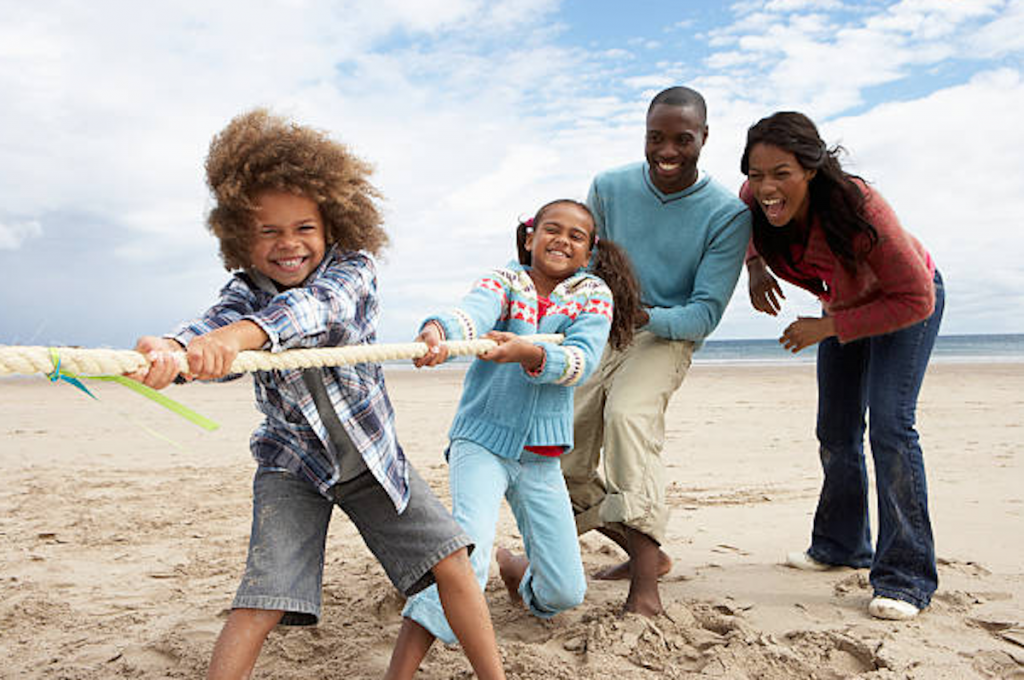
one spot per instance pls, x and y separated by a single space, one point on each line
780 184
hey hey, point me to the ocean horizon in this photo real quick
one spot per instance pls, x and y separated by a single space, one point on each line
974 348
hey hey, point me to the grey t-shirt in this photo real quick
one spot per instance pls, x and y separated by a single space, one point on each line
351 461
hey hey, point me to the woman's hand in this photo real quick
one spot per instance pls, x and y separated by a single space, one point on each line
163 365
437 351
807 331
765 293
512 348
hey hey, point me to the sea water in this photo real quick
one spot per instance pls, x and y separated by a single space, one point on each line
948 348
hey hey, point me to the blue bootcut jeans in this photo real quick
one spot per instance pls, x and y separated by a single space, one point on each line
883 375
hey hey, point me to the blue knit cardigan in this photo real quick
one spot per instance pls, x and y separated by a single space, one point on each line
503 407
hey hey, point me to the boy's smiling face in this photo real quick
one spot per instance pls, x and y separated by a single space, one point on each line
288 243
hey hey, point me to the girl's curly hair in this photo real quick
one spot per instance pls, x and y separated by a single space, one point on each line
258 151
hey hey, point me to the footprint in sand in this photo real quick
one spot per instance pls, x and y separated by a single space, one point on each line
854 583
730 549
969 568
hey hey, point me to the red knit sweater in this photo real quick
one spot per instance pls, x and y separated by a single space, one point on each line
893 286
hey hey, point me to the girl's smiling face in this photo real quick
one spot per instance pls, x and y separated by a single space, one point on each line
780 185
560 242
288 241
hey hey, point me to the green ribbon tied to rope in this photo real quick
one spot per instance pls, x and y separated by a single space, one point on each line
175 407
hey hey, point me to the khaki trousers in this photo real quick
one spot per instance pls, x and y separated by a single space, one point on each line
620 410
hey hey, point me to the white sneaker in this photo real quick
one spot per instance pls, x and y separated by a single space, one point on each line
892 609
803 561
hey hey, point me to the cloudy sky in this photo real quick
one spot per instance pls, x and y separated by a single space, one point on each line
473 113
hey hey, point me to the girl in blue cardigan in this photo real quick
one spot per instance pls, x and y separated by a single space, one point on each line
515 415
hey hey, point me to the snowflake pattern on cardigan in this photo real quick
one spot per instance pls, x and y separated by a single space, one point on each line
504 407
518 300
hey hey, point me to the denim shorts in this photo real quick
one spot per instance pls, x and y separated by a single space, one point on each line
284 569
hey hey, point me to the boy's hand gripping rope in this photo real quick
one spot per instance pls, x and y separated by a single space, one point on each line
28 359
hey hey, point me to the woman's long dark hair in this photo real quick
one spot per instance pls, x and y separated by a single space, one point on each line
611 264
835 200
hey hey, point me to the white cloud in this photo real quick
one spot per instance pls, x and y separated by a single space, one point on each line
824 62
931 19
1002 36
13 234
649 82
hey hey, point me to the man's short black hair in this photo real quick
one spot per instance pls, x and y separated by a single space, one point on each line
681 96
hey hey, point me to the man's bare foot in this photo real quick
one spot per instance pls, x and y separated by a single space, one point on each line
643 595
648 606
620 572
511 568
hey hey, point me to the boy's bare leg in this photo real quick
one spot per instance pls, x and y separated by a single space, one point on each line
512 569
643 597
412 645
466 610
239 643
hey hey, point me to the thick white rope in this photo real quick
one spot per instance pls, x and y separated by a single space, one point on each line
27 359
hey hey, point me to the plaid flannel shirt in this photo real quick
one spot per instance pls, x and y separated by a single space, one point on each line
336 305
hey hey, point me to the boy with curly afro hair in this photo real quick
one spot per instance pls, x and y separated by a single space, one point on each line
297 221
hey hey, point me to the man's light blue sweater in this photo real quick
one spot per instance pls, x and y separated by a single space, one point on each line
687 248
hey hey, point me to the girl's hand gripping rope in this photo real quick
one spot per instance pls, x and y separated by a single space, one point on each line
513 348
437 352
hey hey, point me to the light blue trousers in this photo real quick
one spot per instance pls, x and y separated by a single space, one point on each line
536 493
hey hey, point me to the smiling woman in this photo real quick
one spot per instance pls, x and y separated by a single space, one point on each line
780 183
827 231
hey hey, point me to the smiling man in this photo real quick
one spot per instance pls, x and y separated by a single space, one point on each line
686 236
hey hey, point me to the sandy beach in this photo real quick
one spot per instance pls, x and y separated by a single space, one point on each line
123 533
